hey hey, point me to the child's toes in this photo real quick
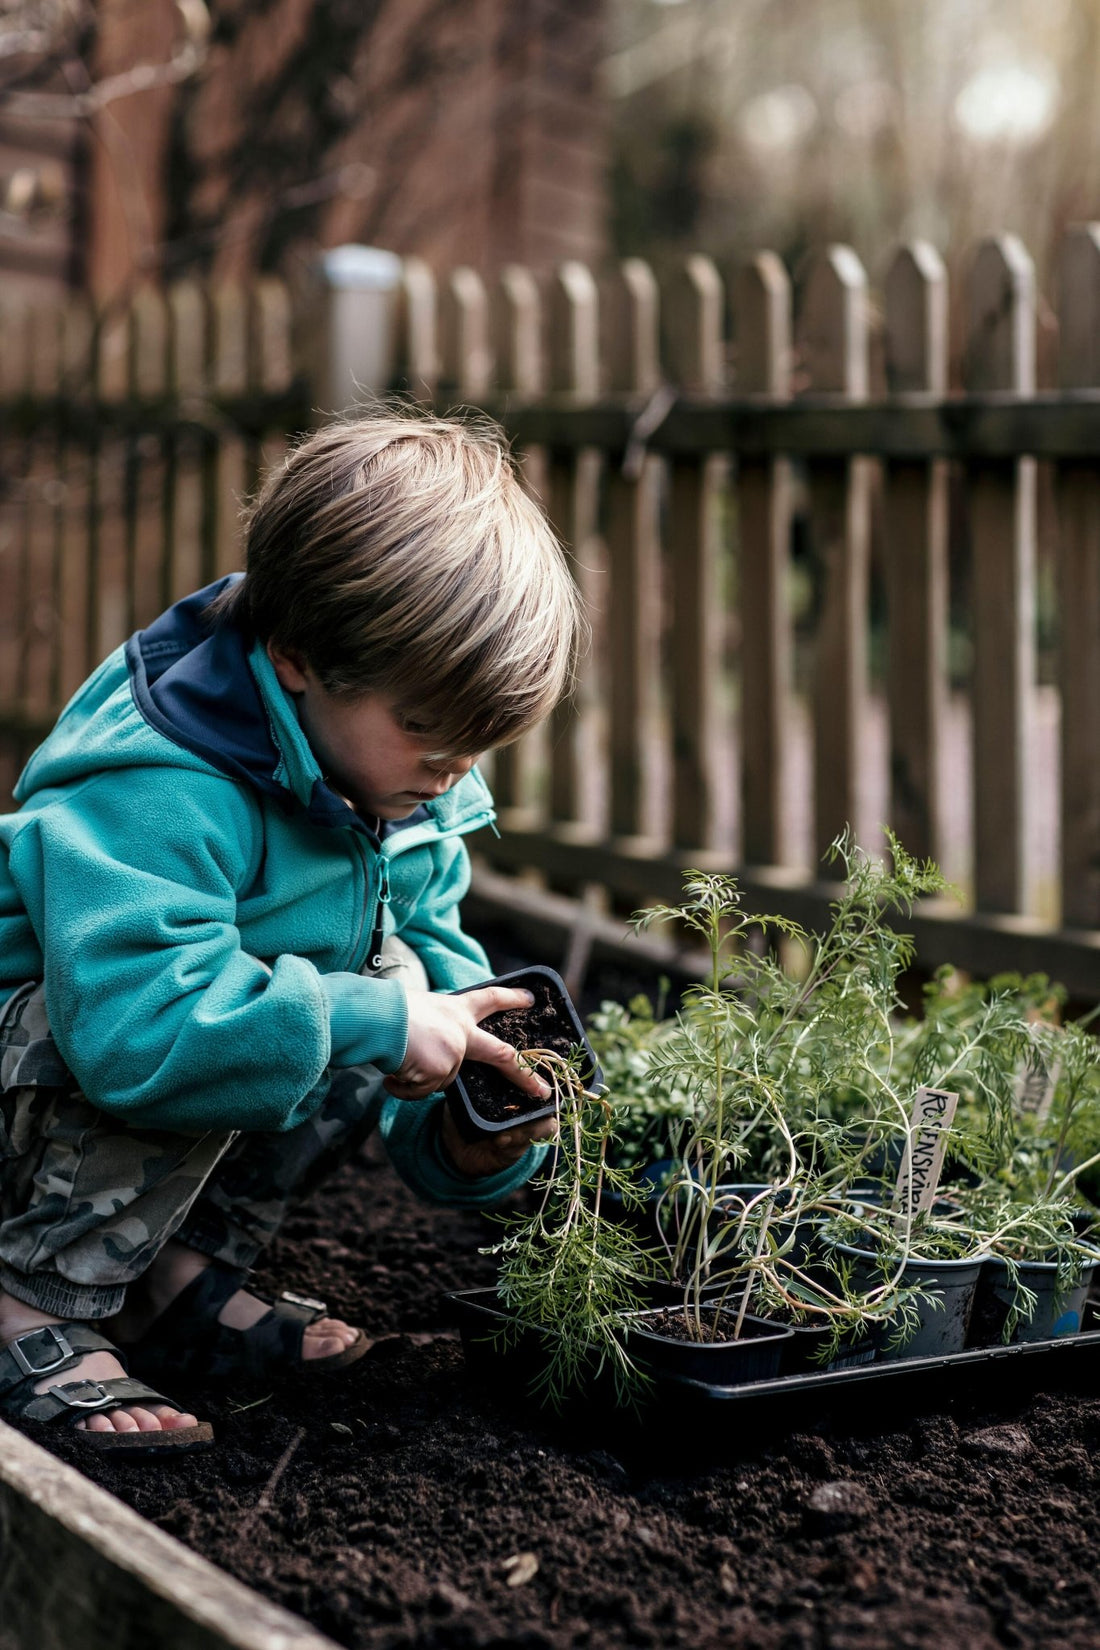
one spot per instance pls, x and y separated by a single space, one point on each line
172 1419
117 1420
327 1338
148 1420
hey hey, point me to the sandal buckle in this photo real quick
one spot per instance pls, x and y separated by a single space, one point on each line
64 1350
103 1401
303 1300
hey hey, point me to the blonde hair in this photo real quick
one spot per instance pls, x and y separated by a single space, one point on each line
399 554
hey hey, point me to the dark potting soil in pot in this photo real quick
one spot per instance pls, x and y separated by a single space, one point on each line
544 1025
675 1325
384 1505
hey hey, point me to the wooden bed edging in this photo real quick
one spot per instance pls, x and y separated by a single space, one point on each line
81 1571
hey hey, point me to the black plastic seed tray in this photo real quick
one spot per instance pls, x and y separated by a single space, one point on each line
889 1387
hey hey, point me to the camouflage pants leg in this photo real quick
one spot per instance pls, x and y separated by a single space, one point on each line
86 1202
246 1198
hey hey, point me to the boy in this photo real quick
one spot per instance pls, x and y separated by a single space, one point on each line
229 919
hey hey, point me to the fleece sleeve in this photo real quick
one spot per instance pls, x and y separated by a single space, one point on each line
410 1129
161 1015
434 929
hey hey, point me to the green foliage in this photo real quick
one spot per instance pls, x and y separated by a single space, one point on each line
648 1111
567 1272
799 1085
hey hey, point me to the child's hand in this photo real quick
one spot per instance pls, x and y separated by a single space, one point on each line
444 1031
496 1151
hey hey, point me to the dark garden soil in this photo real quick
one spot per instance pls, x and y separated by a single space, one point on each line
546 1024
385 1506
388 1505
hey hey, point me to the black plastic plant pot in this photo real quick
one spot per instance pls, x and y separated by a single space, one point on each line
804 1353
756 1355
481 1099
662 1291
1055 1314
641 1217
943 1326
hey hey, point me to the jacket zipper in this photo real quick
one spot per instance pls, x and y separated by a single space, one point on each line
374 949
386 851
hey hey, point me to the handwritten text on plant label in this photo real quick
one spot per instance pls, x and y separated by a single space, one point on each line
932 1115
1035 1086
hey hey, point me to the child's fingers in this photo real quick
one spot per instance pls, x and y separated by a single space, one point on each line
510 1146
533 1134
481 1045
493 999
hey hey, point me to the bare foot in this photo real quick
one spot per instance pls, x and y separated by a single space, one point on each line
175 1267
16 1318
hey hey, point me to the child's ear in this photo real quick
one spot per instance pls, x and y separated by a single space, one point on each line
290 667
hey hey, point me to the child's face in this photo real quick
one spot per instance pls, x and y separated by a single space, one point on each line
367 755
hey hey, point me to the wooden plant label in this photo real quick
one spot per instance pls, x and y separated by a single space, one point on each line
922 1162
1035 1088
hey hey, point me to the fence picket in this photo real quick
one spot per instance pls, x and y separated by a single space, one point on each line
517 336
419 326
41 528
76 471
630 304
1079 591
574 481
1000 356
916 514
184 564
146 468
695 361
517 331
272 373
110 576
467 357
227 456
834 348
763 317
271 336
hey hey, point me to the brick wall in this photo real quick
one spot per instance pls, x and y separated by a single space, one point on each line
472 133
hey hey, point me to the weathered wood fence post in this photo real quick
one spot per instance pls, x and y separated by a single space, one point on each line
833 339
763 317
916 513
1000 356
696 365
1079 591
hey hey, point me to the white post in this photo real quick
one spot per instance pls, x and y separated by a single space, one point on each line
358 341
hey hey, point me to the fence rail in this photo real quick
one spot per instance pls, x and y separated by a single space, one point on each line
817 574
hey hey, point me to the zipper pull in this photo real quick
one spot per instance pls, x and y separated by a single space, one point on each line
375 948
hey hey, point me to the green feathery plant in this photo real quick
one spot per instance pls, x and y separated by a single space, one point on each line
567 1272
760 1065
801 1082
648 1112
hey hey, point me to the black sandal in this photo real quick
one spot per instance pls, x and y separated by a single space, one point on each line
56 1347
187 1339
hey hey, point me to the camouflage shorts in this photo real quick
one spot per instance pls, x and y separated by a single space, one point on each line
87 1201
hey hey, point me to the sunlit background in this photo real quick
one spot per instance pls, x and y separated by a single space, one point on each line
786 123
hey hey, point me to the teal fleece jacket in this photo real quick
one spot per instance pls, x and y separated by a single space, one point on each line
199 903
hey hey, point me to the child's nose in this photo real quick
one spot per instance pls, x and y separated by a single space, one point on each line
457 767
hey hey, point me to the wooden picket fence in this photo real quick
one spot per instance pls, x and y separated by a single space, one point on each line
677 432
128 442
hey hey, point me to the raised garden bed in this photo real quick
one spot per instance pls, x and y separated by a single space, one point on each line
942 1519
